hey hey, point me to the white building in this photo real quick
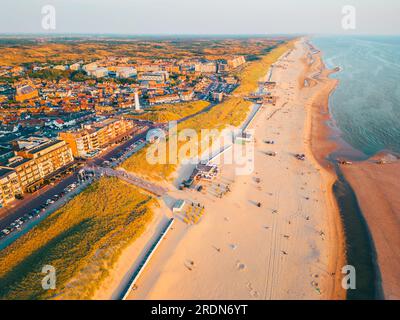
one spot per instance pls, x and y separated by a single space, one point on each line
126 72
75 66
209 67
99 72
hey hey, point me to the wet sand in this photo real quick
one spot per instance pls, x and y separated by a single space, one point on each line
377 190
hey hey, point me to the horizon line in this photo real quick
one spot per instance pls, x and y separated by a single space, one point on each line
93 34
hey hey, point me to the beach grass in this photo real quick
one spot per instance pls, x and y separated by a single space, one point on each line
81 240
171 112
231 112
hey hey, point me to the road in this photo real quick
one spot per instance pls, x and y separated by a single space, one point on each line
130 178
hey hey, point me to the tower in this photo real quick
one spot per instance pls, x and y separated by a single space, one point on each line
137 103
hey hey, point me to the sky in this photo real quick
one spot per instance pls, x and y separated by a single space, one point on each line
201 16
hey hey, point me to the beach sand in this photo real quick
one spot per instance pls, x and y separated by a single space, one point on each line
377 191
291 247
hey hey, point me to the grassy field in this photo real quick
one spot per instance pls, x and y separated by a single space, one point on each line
170 112
82 240
231 112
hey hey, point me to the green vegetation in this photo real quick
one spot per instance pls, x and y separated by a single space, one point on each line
230 112
171 112
50 74
250 76
82 240
18 51
79 76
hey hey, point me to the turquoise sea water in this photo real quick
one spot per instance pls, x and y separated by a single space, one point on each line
366 105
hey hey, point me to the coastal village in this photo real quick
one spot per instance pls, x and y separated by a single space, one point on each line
74 138
61 113
195 157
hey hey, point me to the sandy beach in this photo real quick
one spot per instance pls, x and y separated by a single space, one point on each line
377 188
291 247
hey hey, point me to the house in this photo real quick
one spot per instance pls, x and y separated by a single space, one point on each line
178 206
186 95
168 98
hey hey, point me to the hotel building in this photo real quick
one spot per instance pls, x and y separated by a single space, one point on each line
95 136
36 159
9 186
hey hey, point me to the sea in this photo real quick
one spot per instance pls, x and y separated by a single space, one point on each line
365 116
365 107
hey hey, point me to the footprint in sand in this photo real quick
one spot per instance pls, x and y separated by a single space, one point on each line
240 266
252 291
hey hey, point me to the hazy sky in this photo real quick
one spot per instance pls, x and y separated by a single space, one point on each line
200 16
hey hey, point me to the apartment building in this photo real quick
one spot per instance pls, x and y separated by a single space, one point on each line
125 72
168 98
209 67
159 76
9 186
36 159
95 136
234 62
27 172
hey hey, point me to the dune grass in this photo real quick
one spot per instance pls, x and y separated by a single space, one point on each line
231 112
250 75
82 240
170 112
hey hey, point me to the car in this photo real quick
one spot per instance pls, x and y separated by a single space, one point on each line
5 231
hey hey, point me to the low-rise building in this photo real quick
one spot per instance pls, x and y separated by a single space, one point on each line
75 67
208 67
236 61
168 98
158 76
99 72
26 92
126 72
186 95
